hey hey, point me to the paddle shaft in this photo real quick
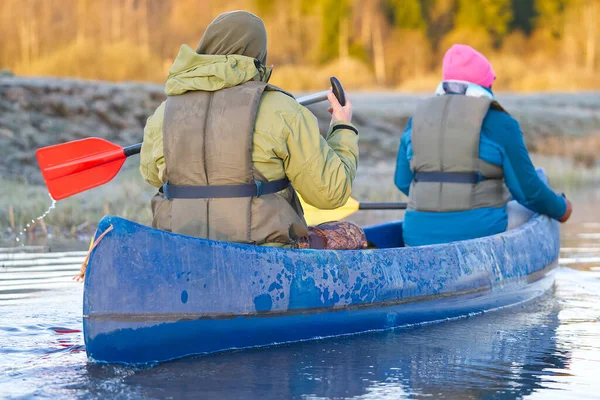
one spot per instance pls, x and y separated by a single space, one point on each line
382 206
313 98
133 149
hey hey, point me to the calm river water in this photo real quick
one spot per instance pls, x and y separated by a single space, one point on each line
547 349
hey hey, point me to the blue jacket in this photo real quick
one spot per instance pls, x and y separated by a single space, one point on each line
501 143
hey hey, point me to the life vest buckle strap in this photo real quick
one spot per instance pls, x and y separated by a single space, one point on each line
256 189
449 177
259 188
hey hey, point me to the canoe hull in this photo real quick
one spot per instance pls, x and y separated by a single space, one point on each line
154 296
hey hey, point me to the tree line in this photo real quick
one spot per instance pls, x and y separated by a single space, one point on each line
534 44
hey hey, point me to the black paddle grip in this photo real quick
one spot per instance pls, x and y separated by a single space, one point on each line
338 90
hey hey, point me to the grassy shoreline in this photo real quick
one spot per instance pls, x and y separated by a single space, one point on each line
76 217
129 196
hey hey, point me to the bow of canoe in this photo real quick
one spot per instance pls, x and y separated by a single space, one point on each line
153 296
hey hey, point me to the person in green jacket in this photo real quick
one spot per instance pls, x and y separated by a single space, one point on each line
229 151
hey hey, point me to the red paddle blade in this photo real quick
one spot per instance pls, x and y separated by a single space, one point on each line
74 167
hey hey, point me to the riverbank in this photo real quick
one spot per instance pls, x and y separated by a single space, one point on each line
563 130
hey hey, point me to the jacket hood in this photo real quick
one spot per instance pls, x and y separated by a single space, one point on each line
235 32
193 71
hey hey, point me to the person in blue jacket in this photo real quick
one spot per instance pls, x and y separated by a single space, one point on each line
462 158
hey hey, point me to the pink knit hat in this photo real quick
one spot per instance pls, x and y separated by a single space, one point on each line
464 63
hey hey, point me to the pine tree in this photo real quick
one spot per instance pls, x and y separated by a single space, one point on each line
523 15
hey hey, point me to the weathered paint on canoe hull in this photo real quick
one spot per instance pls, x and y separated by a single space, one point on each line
153 296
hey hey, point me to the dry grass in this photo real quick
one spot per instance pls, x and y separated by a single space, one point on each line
354 74
582 150
127 196
520 74
128 62
87 60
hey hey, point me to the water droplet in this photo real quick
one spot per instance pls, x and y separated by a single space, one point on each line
24 231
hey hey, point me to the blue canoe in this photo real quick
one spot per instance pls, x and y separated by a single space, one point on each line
154 296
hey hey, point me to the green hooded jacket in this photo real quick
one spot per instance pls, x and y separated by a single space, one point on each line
286 137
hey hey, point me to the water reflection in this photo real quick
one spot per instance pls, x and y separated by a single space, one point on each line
506 354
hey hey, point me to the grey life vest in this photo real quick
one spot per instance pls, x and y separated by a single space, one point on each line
448 173
213 190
